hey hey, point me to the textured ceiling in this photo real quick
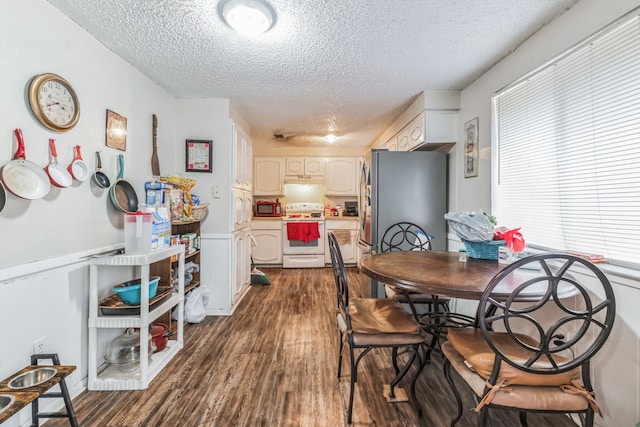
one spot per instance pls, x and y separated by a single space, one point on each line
344 66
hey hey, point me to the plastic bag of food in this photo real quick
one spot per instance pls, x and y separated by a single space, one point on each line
470 226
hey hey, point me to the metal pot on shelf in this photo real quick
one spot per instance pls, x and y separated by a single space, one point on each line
124 350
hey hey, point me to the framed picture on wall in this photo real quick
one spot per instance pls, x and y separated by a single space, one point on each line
471 148
198 155
116 132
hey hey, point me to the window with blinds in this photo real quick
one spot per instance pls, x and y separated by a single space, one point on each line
567 148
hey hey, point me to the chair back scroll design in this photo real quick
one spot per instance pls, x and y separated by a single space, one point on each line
555 284
340 276
538 327
405 236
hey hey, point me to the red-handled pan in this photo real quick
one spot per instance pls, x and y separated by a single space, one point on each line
58 175
78 169
24 178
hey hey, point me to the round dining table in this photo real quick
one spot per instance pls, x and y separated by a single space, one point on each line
441 273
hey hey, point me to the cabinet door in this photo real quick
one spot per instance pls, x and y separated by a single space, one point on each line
314 166
391 145
268 249
341 176
441 126
403 140
416 131
242 208
242 249
268 176
294 166
242 158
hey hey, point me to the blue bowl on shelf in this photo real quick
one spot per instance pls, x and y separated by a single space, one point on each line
129 292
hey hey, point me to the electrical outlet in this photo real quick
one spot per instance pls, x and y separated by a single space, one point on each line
216 192
38 345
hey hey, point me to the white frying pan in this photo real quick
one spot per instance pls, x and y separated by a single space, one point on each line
59 175
24 178
78 169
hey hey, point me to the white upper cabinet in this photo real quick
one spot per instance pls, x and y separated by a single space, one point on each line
341 177
268 176
428 127
242 153
391 145
304 166
403 140
441 126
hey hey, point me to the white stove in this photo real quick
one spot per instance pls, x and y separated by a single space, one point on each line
303 236
304 212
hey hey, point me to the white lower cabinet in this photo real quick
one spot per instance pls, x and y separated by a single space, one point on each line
111 378
242 260
268 236
345 231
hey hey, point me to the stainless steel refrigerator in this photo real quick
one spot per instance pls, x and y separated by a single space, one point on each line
397 186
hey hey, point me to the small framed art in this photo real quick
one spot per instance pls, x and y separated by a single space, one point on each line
471 148
198 155
116 133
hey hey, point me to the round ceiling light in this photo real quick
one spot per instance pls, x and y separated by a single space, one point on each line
248 17
331 138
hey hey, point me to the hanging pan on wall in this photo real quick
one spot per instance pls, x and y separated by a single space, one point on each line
122 194
78 168
100 178
59 175
24 178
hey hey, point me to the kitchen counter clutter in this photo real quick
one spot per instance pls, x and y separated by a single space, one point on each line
111 377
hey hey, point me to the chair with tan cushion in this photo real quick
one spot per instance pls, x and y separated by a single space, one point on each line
406 236
369 323
539 323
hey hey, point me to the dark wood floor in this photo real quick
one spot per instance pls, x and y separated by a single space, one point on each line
273 363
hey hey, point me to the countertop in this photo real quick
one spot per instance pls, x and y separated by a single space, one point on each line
327 218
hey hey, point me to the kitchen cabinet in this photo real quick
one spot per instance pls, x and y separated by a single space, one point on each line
242 158
268 236
268 176
441 127
428 127
341 179
242 260
111 378
391 145
304 166
403 140
346 231
243 209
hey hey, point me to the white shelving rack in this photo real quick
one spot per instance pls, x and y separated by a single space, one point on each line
110 377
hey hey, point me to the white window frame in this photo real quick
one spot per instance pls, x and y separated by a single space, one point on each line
623 254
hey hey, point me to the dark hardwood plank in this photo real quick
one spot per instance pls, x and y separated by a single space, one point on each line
274 363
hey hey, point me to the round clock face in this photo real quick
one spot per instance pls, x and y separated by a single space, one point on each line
54 102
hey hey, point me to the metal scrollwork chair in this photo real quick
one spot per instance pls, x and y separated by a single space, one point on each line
406 236
539 323
368 323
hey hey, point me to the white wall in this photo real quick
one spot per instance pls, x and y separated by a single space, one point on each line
617 368
44 273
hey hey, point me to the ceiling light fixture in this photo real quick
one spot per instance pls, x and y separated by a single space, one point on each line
331 138
249 17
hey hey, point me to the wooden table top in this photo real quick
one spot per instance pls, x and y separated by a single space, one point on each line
440 273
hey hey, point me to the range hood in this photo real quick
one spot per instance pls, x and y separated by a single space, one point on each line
303 179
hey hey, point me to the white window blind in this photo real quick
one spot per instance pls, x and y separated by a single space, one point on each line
567 144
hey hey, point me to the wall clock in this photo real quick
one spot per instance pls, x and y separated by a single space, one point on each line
54 102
